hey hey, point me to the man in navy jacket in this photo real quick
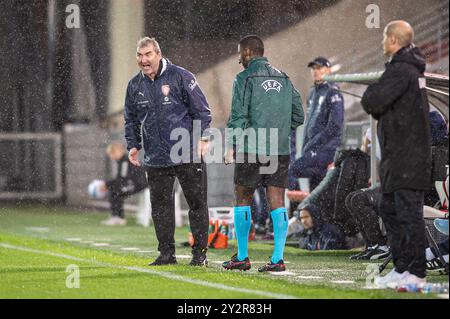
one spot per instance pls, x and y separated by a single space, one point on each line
323 127
166 103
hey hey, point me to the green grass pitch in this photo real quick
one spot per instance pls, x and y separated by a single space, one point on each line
38 243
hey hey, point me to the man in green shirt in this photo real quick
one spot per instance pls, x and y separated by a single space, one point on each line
265 109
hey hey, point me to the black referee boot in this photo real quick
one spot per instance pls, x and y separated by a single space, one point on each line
164 260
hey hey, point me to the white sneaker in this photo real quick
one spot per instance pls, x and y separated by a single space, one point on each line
121 221
114 221
410 279
391 278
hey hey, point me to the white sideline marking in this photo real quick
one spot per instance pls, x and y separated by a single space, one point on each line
100 244
130 248
146 251
74 239
373 287
309 277
282 273
38 229
342 282
167 275
322 270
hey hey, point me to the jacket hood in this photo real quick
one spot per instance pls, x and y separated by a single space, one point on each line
314 211
411 55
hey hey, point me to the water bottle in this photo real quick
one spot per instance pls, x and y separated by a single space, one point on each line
435 288
409 288
231 231
211 227
224 228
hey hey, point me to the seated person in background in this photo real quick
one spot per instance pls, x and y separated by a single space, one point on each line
318 235
351 172
363 206
127 180
439 151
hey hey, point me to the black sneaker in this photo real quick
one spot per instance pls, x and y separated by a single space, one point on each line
234 263
362 253
435 264
375 253
199 259
278 267
164 260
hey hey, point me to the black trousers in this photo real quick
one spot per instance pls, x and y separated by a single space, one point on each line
193 181
119 190
363 205
402 214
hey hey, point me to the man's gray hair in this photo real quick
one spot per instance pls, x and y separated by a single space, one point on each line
145 41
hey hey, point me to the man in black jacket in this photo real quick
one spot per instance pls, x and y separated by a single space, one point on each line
399 102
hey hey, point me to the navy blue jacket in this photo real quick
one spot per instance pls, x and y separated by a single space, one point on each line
322 132
325 122
173 100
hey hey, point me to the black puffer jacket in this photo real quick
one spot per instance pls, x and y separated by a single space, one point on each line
399 102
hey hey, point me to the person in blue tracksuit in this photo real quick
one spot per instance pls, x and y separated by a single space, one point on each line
166 102
323 128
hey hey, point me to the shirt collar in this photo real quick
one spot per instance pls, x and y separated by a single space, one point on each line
162 68
257 59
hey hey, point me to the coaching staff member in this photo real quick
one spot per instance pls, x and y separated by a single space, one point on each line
399 102
161 98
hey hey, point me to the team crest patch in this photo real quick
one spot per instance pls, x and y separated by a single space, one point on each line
165 89
193 84
336 98
271 85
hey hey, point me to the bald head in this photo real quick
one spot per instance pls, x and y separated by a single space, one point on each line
397 34
402 30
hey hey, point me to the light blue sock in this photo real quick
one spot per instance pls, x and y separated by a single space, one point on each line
242 224
280 227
